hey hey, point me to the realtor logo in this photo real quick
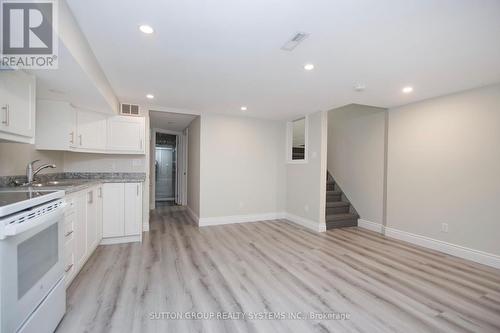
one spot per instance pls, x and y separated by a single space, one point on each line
29 39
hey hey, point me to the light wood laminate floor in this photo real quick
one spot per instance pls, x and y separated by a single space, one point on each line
276 267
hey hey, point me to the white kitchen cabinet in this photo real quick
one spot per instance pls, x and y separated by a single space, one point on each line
17 106
92 214
80 228
55 126
133 209
61 126
126 134
122 212
113 210
99 207
91 130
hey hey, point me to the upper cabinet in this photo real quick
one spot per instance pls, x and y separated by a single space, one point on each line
125 134
91 130
60 126
17 106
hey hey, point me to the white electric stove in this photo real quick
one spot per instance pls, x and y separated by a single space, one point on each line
33 297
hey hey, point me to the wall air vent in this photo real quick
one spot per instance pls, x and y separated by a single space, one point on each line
293 42
129 109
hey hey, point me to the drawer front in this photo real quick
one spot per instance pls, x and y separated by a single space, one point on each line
69 228
70 206
69 262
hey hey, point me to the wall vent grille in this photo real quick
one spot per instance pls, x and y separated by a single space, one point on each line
129 109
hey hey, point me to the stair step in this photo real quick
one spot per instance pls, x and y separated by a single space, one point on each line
341 224
333 192
330 182
341 217
335 204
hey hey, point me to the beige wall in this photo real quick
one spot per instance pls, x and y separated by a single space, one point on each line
305 183
356 156
15 156
242 166
193 174
83 162
444 167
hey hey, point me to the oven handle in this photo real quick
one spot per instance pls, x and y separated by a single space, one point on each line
46 219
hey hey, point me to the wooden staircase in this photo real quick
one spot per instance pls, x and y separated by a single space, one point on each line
339 211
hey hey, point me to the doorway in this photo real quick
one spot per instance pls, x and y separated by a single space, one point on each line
165 168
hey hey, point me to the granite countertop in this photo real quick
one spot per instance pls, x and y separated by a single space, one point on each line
73 182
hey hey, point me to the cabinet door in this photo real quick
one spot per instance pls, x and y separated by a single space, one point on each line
80 229
99 209
91 220
55 125
17 103
126 134
133 209
113 224
91 128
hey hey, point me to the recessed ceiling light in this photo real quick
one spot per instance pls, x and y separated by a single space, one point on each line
244 108
147 29
407 90
308 67
150 96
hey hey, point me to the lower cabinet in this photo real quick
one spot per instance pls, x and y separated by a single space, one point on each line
122 212
105 214
83 228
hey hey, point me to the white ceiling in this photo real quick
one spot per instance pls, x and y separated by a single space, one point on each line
69 83
170 121
216 55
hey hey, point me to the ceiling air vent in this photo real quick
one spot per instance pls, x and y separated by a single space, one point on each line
129 109
294 41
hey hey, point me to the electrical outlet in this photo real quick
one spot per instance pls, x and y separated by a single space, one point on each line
444 227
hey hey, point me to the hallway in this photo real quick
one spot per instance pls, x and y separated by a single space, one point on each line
274 268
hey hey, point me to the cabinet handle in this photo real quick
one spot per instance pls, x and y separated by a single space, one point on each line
100 192
141 144
72 141
68 233
137 189
67 269
80 137
6 119
91 197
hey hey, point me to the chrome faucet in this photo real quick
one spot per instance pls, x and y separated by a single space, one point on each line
30 173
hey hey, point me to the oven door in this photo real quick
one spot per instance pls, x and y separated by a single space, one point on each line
31 264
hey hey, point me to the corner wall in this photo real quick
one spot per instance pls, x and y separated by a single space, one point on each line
306 182
242 169
193 176
356 145
444 167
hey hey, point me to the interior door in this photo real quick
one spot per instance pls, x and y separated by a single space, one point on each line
165 173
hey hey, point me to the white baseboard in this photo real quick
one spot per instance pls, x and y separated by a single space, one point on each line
310 224
193 215
209 221
120 240
463 252
373 226
145 227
